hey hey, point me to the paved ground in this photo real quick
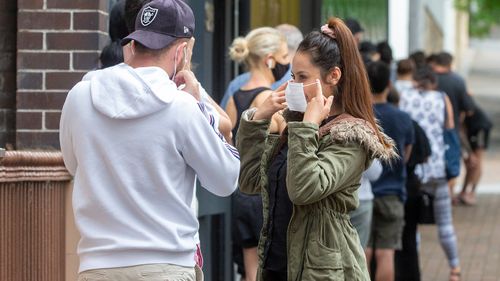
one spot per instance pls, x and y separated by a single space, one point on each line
478 231
478 228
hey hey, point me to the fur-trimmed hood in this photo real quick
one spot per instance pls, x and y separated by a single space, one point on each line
347 129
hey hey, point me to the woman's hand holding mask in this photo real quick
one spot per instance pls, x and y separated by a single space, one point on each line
274 103
318 107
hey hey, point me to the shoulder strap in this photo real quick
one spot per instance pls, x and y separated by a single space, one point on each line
260 90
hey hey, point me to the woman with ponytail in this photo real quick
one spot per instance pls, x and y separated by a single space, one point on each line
307 165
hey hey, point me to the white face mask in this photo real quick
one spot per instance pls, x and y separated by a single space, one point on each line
295 96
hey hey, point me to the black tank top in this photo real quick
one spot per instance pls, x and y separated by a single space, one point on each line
242 100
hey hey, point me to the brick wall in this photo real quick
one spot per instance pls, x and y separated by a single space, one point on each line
58 41
8 13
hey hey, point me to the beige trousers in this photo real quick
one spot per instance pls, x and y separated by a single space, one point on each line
147 272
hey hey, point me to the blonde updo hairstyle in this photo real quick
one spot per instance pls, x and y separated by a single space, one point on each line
260 42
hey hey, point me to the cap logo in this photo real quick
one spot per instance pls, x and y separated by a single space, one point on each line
148 15
186 30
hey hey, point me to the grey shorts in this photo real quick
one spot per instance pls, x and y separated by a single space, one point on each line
146 272
361 219
387 223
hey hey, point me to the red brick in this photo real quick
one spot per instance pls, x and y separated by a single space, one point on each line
76 41
41 60
62 80
30 40
29 4
43 20
36 100
29 120
90 21
85 61
77 4
52 120
29 80
38 140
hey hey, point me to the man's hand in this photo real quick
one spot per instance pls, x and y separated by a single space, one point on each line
191 85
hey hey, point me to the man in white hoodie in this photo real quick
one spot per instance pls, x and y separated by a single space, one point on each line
135 144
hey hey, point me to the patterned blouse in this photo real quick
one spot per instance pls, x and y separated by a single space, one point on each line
427 108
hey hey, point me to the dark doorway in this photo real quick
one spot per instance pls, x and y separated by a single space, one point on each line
213 33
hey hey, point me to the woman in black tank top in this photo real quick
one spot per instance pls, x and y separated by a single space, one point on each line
264 52
242 101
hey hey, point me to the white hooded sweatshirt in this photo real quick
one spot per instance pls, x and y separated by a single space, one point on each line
135 145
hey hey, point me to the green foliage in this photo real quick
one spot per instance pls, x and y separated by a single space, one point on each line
483 15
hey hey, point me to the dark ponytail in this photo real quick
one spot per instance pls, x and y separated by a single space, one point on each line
337 48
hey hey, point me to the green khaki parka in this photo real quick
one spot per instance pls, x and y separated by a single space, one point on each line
324 168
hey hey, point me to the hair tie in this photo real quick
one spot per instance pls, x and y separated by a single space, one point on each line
325 29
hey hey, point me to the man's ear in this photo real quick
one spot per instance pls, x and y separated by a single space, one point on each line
179 55
132 47
334 76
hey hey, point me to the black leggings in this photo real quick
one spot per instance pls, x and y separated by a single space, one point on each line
406 259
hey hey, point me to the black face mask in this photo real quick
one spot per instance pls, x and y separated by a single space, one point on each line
280 70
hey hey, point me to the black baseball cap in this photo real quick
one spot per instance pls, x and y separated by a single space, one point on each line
353 25
160 22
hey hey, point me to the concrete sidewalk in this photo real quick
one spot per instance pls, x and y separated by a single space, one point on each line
478 232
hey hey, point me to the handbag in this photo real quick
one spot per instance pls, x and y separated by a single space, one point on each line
452 154
425 208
